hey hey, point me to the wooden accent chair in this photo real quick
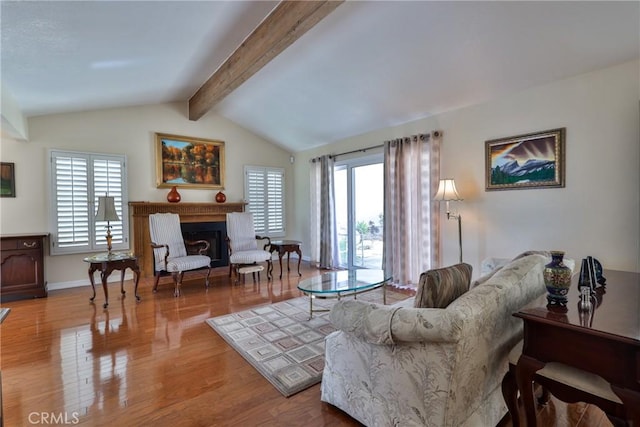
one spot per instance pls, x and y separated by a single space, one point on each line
170 254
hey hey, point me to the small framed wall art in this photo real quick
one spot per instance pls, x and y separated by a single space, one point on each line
534 160
183 161
7 180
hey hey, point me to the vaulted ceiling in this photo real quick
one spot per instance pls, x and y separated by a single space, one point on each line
365 66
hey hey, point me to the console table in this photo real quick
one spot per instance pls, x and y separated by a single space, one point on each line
605 341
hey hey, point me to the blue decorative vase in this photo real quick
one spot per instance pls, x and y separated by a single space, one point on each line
557 279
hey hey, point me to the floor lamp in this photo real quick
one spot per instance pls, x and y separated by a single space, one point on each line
447 192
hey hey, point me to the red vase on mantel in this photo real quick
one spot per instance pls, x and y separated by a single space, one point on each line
220 197
173 196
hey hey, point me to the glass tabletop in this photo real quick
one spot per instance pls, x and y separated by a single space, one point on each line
344 281
285 242
113 256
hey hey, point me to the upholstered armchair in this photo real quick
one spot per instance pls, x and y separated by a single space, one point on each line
170 254
243 243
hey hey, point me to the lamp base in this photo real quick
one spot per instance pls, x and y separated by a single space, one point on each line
459 218
460 235
109 238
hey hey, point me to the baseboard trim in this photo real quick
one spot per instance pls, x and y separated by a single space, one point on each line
80 283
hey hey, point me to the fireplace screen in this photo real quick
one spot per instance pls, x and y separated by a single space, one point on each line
213 232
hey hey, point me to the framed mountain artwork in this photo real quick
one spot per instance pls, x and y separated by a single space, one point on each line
534 160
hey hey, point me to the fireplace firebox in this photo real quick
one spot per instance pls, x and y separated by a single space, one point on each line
213 232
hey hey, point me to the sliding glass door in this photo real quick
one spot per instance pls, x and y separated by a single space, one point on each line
359 190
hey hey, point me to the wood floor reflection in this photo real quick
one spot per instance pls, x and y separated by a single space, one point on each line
157 363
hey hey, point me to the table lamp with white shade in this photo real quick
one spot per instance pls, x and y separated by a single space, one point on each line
107 212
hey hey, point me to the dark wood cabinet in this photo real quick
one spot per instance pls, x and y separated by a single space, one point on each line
603 341
22 266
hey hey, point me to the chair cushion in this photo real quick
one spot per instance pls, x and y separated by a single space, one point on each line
251 269
186 263
440 287
249 257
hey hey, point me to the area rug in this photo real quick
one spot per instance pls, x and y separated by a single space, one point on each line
281 342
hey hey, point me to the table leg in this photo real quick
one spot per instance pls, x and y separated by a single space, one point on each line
288 257
631 401
270 263
310 306
104 275
122 281
92 270
299 252
136 272
280 254
384 293
525 373
510 395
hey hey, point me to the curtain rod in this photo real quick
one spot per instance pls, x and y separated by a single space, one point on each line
435 134
361 150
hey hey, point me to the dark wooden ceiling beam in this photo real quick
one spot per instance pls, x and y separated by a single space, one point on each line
288 21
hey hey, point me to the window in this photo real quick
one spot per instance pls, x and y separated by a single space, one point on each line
77 180
264 193
359 207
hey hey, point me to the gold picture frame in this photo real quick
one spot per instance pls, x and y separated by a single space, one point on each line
534 160
189 162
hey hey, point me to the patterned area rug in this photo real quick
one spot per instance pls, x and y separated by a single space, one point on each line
281 342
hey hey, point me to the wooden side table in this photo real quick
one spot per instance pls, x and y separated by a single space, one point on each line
604 342
286 246
106 263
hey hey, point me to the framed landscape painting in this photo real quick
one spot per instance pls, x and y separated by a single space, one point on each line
184 161
7 180
534 160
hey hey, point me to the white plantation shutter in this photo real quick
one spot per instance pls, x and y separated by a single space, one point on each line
77 180
254 194
71 201
275 201
107 180
264 193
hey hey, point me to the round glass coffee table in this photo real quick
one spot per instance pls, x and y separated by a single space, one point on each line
336 284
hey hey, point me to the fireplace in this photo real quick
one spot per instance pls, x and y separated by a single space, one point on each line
192 214
213 232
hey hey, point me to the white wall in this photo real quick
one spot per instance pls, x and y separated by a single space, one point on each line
598 211
129 131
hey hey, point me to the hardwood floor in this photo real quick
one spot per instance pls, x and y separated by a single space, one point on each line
157 363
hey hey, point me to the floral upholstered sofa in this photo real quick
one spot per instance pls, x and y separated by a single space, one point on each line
404 366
